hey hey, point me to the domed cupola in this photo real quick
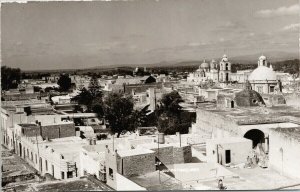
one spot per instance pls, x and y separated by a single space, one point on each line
262 72
225 58
248 97
262 61
204 65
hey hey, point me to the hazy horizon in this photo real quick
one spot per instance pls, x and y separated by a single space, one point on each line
66 35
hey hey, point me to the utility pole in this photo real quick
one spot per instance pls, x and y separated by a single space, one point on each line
158 158
113 142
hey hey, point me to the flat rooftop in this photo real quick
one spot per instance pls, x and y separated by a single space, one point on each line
293 132
82 184
228 140
157 181
254 115
134 152
67 146
271 126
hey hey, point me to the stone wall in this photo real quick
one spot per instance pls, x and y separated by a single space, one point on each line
136 165
182 154
165 154
31 131
58 131
209 122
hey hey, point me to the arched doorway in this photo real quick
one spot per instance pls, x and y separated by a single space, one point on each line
257 136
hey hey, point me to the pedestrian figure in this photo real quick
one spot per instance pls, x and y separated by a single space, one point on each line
220 185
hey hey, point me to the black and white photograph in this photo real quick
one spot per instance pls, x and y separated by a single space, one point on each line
150 95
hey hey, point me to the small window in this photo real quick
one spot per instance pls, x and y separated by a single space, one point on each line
53 170
62 175
254 101
111 175
62 157
46 163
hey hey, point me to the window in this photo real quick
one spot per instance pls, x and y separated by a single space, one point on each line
53 170
62 175
35 158
259 89
46 164
31 156
69 174
272 88
111 173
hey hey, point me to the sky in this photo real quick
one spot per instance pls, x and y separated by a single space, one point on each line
68 35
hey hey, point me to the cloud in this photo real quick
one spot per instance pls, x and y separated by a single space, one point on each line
194 44
292 27
281 11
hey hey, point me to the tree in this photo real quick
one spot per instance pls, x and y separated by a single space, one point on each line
169 114
140 117
84 98
119 113
92 97
94 87
64 82
10 77
170 103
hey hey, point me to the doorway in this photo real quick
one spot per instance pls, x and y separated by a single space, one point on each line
20 149
41 164
227 156
257 137
232 104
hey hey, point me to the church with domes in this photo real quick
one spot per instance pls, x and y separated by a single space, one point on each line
212 72
263 79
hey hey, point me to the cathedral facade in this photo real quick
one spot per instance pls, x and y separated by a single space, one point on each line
212 72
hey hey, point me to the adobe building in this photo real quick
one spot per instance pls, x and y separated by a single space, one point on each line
231 150
284 152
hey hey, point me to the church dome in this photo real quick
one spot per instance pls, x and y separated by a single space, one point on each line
204 65
262 57
263 73
225 58
248 98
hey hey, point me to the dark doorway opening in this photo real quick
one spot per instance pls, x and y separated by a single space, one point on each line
41 165
232 104
257 137
70 174
20 149
227 156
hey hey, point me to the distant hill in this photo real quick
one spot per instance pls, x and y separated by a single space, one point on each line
273 57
